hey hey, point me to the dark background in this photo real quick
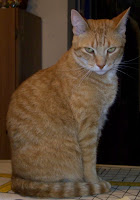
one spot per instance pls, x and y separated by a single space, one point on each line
120 141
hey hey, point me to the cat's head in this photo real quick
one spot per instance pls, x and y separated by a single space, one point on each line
98 45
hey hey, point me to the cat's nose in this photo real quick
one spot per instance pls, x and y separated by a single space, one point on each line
101 66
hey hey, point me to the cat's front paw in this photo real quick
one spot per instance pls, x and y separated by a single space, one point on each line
105 186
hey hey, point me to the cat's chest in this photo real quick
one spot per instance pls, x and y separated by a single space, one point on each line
103 94
108 95
93 99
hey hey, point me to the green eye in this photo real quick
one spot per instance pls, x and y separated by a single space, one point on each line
111 50
89 50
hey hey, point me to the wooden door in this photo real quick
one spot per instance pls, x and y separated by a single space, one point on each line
28 45
7 73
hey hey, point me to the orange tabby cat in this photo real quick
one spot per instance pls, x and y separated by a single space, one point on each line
56 116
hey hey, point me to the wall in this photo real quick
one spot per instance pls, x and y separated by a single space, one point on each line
54 28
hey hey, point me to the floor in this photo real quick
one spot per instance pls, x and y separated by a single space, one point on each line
125 183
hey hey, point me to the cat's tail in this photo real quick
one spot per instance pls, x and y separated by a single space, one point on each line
59 189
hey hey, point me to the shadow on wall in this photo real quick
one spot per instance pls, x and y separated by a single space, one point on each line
32 6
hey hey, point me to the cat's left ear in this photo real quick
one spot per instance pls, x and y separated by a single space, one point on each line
120 21
79 24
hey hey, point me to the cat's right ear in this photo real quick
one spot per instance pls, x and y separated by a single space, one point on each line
79 24
120 21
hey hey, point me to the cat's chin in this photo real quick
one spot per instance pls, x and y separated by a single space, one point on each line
110 72
101 72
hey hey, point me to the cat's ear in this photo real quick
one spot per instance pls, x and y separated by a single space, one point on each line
79 24
120 21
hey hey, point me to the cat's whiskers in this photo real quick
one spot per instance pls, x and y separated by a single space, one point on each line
83 70
122 63
127 61
79 74
125 74
84 77
124 66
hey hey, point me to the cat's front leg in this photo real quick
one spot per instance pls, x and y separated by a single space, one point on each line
88 140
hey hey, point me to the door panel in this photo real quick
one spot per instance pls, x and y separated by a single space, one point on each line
7 73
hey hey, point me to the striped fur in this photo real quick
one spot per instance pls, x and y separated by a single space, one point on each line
59 189
56 116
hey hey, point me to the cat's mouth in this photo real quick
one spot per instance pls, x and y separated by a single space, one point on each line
104 70
101 71
97 70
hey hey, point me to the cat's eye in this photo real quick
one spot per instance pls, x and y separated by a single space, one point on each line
111 50
89 50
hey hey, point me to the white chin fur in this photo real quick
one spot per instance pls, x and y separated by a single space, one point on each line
100 72
111 72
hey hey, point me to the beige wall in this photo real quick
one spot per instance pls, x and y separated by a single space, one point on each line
54 28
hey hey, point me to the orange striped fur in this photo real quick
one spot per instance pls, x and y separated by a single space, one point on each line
56 116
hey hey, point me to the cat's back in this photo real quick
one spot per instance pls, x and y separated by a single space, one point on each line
35 87
35 84
46 82
33 98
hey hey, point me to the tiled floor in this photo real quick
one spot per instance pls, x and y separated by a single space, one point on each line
125 183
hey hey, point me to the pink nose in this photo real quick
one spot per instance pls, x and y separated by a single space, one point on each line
101 66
